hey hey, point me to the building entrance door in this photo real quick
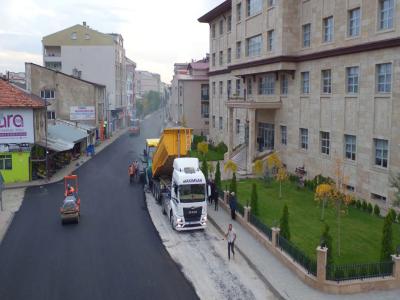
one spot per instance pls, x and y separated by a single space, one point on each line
266 134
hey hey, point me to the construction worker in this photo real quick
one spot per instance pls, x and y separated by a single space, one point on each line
131 172
70 190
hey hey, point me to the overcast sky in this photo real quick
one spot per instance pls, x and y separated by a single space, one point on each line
156 33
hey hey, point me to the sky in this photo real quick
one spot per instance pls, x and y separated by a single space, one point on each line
156 33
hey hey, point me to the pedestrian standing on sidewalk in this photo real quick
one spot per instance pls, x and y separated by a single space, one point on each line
215 197
231 237
232 205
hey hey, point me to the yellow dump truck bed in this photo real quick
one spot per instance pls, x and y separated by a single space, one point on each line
172 141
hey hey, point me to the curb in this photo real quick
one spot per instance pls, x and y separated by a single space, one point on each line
250 263
8 223
51 181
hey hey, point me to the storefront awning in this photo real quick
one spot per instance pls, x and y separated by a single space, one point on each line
56 144
66 133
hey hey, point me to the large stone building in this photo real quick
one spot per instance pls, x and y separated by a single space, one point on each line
94 56
314 80
189 102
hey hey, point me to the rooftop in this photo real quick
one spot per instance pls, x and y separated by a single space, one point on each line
11 96
215 12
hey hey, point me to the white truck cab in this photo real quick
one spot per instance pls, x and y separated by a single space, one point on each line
187 205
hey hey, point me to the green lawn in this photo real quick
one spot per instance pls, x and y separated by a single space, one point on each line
211 155
361 232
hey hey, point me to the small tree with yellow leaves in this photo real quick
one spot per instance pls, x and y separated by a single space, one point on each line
322 194
258 167
202 148
281 176
231 168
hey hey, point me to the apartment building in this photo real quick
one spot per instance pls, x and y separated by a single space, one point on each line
146 82
189 102
130 87
315 80
88 54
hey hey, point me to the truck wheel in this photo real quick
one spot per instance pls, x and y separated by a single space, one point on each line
163 209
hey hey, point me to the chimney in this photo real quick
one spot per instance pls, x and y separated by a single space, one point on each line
84 23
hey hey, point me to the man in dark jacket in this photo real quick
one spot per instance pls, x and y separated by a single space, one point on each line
232 205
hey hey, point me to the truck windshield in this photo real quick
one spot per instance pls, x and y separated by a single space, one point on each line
191 193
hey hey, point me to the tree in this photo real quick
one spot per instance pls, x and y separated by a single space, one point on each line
258 167
233 186
395 183
204 167
392 214
202 148
217 176
387 239
254 199
211 169
326 241
230 167
377 211
284 223
323 193
281 176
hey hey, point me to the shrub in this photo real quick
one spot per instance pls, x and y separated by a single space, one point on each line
197 139
364 206
369 208
221 148
392 214
358 204
233 186
293 178
254 199
387 239
284 223
326 240
217 176
204 167
377 211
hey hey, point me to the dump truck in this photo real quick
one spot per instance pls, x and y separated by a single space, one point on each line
177 182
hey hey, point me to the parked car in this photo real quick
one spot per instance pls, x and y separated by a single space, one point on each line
70 210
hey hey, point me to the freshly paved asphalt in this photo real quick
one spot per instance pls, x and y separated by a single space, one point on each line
115 251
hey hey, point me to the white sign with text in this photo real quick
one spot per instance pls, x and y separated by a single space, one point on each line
80 113
16 126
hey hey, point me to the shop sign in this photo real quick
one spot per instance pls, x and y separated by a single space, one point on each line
80 113
16 126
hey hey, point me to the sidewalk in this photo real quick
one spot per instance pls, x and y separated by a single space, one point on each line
284 283
67 169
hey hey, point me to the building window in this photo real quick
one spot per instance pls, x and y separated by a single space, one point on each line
238 49
180 91
271 3
229 23
221 123
237 87
213 59
284 84
354 22
325 142
229 56
6 162
381 153
306 35
352 74
47 94
249 86
213 88
326 81
328 29
237 126
350 147
51 115
54 65
213 121
271 40
304 138
221 27
221 58
205 92
266 85
384 78
213 31
386 8
87 36
204 110
238 12
253 46
229 87
254 7
221 87
305 82
74 36
283 135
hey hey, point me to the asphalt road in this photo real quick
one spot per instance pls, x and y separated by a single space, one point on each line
115 251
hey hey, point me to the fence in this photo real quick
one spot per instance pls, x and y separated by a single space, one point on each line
298 256
359 271
260 226
239 208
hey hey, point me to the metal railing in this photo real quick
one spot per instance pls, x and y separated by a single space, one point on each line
240 208
359 271
260 226
298 256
